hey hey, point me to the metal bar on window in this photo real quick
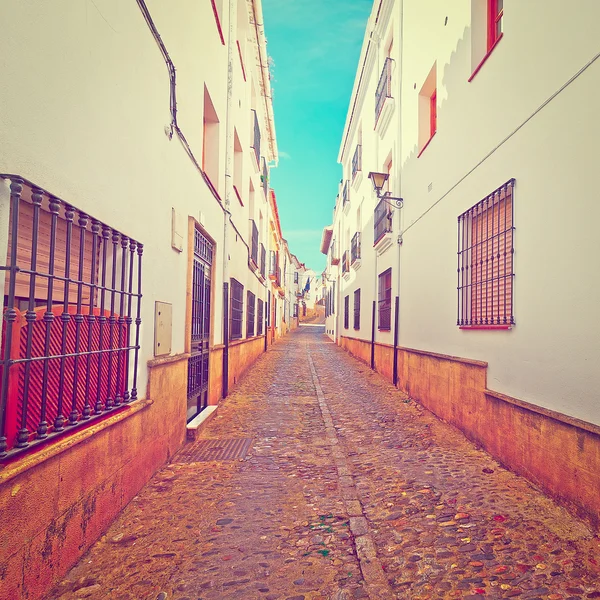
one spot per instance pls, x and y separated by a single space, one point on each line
49 345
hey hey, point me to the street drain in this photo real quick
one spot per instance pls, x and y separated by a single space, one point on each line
219 449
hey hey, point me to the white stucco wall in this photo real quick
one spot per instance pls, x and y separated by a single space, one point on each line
83 111
550 357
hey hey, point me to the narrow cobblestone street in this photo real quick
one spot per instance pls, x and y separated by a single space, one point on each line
347 490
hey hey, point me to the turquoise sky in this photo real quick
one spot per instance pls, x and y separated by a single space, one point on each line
315 47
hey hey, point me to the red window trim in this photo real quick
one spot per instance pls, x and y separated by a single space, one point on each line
493 18
478 67
241 59
237 193
433 114
485 327
425 146
216 13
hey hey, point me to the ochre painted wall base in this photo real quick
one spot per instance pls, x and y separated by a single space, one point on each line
556 452
57 502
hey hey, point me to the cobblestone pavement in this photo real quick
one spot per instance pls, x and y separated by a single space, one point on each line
349 490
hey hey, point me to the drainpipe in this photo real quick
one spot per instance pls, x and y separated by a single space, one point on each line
229 133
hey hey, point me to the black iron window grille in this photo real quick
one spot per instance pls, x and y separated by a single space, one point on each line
355 247
356 309
71 327
385 300
237 310
345 194
260 315
263 261
382 220
203 248
335 259
256 139
346 262
295 311
296 277
357 161
486 261
250 314
254 243
274 259
384 87
346 312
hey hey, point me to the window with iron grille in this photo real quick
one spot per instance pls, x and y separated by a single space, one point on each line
385 300
346 312
357 309
265 178
72 309
357 161
382 220
263 261
296 277
346 262
384 87
237 310
485 261
295 311
250 308
355 247
346 194
260 315
256 138
254 243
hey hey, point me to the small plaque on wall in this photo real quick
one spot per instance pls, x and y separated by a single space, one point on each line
163 326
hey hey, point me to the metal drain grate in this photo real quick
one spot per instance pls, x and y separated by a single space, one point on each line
222 449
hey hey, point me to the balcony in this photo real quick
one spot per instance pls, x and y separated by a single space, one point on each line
384 102
254 245
355 251
275 269
255 145
357 166
346 198
264 178
382 235
333 255
263 262
346 264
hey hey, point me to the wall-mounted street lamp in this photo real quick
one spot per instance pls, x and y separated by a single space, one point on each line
378 180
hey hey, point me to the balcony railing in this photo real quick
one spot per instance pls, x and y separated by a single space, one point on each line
256 139
355 248
384 87
72 305
382 220
357 161
345 194
265 178
346 262
335 259
254 244
275 269
263 261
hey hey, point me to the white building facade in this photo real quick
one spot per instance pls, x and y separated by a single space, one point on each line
486 130
136 231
